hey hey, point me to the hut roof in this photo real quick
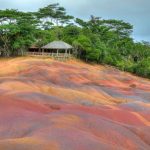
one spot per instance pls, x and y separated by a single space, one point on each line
57 45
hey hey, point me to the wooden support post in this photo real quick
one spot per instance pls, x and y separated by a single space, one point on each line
69 52
57 52
42 51
66 53
39 51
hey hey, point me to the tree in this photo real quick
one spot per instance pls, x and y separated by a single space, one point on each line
95 40
8 28
17 31
53 15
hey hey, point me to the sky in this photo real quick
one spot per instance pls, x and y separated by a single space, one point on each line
136 12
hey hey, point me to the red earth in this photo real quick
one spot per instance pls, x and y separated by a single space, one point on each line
50 105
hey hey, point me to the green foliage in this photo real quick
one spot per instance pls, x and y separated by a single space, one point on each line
96 40
16 31
53 14
143 68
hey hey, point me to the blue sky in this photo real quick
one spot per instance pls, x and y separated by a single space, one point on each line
136 12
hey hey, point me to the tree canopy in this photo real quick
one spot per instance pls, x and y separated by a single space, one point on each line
95 40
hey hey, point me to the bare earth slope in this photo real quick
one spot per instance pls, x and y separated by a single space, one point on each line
50 105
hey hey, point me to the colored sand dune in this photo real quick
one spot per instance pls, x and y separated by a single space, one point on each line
50 105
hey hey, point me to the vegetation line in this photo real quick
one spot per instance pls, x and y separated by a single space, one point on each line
96 40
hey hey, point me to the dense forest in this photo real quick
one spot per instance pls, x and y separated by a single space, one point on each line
95 40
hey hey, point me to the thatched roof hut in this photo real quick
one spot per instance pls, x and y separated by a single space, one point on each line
57 45
56 49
